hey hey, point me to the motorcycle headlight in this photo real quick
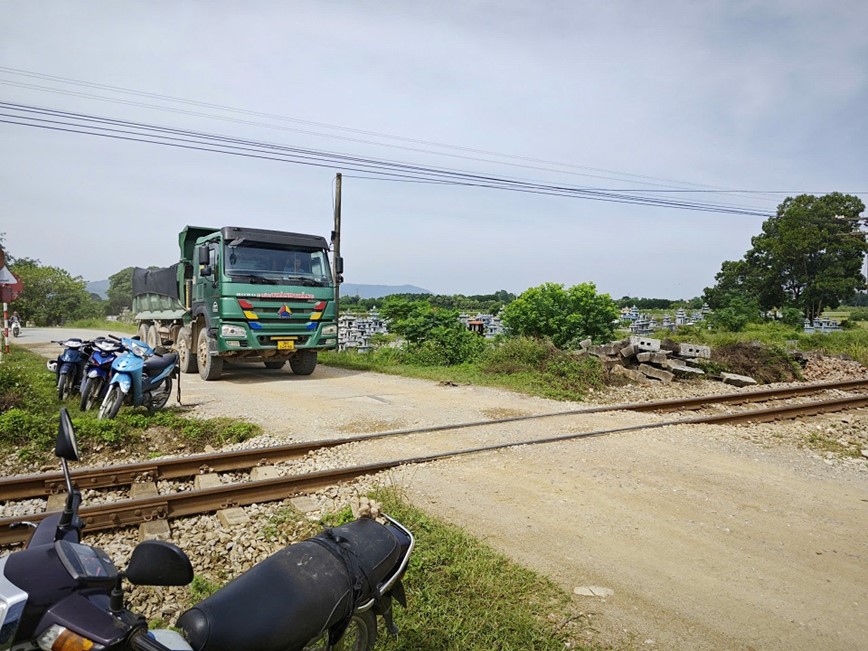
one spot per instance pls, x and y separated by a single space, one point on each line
139 350
330 330
232 331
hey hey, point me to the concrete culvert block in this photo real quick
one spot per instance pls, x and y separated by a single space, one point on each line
737 380
656 373
694 350
645 343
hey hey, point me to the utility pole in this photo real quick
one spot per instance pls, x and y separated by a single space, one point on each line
338 263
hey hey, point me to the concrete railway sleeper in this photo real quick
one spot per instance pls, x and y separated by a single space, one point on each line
135 511
40 485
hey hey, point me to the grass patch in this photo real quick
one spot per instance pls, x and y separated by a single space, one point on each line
29 411
518 364
103 324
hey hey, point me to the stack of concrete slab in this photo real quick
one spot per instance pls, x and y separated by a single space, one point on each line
645 359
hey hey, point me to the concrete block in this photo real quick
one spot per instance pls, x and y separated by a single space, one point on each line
155 530
630 374
660 357
604 350
264 472
143 489
629 351
208 480
694 350
305 504
585 344
234 517
656 373
56 502
645 343
737 380
683 370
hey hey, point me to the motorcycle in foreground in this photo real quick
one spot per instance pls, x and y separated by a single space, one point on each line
97 371
58 594
141 376
69 365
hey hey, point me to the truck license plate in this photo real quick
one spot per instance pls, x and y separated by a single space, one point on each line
285 345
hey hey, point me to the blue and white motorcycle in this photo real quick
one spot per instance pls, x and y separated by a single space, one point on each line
98 370
69 365
141 376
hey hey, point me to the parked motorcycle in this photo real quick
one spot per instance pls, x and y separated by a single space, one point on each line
323 593
98 370
69 365
141 376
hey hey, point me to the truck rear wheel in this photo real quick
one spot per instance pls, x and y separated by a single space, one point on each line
153 339
187 361
303 362
143 332
210 366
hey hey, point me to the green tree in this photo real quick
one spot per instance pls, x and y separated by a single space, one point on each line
120 291
50 295
808 256
432 335
566 316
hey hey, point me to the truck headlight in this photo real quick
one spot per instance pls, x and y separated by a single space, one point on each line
232 331
330 330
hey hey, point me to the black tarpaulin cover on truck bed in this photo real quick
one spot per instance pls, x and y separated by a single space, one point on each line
156 281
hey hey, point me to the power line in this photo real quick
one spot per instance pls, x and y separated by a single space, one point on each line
642 179
56 120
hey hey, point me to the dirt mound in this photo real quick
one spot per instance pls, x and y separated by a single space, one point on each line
764 364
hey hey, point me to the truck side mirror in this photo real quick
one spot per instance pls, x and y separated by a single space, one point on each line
204 255
339 265
206 271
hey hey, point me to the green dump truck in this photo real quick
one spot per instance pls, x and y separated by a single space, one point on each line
242 294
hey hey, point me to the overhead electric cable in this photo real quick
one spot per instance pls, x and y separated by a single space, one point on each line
24 115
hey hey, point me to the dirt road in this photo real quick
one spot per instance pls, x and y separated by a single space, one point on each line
693 538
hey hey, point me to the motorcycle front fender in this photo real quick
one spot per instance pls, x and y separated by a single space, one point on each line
124 381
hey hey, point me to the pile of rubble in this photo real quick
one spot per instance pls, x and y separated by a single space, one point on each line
643 359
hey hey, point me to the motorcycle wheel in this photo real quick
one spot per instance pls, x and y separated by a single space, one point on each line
64 386
360 635
161 398
90 392
112 403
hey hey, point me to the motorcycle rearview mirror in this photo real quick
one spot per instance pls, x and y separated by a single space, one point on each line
66 446
156 562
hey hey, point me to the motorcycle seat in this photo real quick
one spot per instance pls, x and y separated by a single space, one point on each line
156 364
294 595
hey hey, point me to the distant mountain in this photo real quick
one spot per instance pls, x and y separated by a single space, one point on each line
99 287
378 291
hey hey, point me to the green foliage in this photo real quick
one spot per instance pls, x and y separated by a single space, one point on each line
858 315
808 256
120 291
337 518
794 317
19 427
202 588
488 303
50 295
735 314
566 316
433 336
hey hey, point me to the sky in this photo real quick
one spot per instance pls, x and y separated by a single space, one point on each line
746 101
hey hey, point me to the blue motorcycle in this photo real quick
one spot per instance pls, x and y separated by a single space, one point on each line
97 371
141 376
69 365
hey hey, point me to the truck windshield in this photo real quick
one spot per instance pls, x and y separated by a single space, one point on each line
256 262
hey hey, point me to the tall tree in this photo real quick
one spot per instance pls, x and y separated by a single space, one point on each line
808 256
120 291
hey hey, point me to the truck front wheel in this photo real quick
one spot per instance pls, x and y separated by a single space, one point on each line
303 362
210 366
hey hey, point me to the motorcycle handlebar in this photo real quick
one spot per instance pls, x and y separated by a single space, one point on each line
141 642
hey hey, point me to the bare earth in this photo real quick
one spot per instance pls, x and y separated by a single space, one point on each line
694 537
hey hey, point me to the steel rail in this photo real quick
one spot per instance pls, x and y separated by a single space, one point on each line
39 485
174 505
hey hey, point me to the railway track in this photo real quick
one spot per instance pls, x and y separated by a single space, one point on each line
135 511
